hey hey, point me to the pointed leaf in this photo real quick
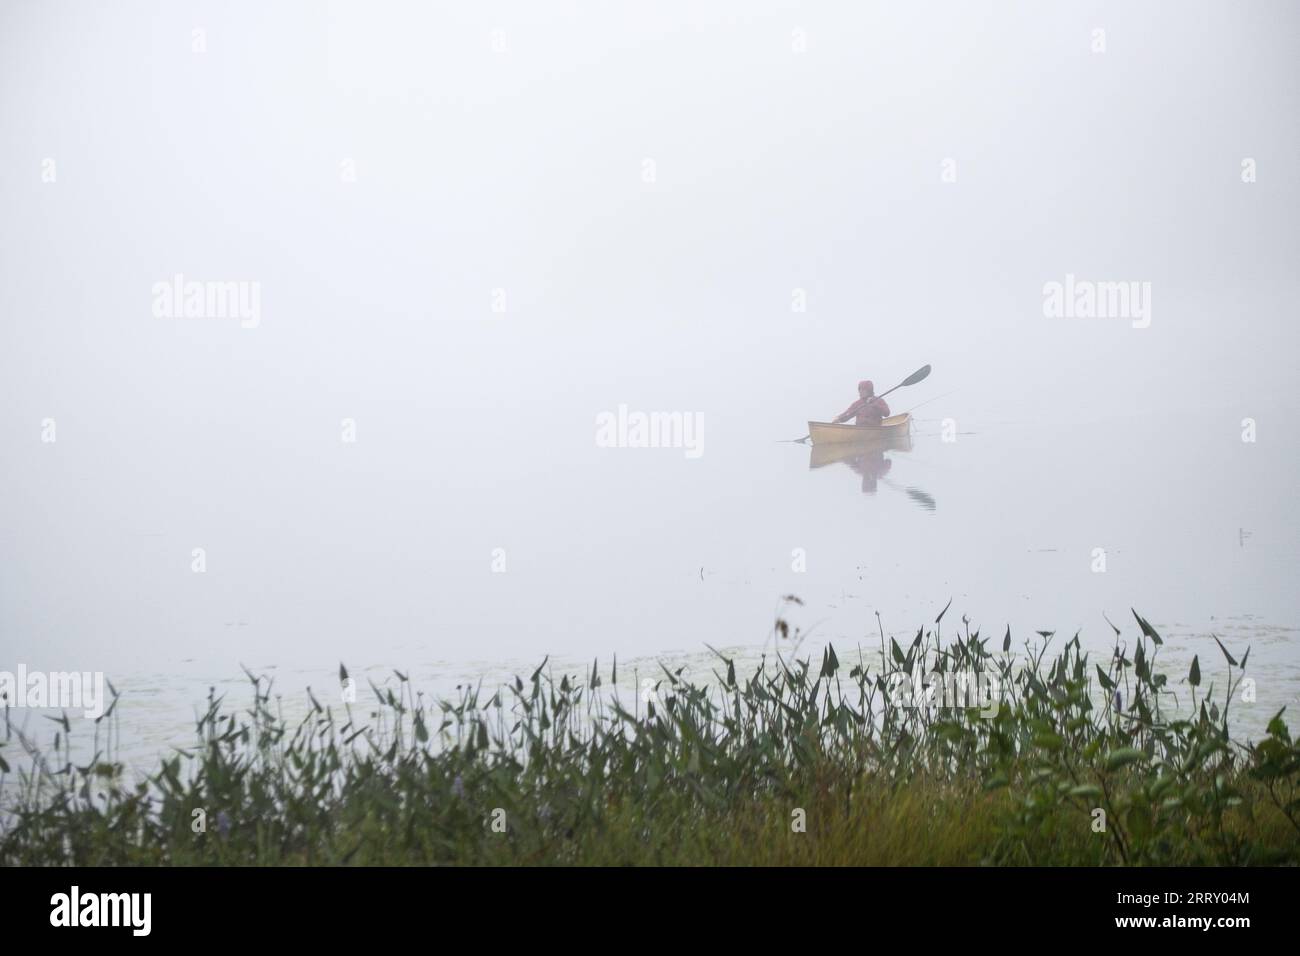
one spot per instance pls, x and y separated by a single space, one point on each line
1147 629
944 611
1231 661
1106 682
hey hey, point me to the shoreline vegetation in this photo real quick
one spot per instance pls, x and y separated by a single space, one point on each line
1069 761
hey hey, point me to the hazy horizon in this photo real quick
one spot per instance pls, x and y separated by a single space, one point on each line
471 232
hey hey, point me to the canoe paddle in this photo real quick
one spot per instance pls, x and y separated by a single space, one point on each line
917 376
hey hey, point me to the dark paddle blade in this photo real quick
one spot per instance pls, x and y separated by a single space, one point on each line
912 379
915 377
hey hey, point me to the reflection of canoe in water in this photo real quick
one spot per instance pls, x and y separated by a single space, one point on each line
848 451
825 433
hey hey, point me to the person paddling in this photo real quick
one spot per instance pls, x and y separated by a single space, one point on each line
868 409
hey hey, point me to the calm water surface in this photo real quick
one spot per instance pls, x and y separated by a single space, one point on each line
500 270
647 554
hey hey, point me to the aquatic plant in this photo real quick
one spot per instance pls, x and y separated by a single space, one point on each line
1073 761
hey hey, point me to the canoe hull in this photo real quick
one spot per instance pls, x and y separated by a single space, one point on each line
826 433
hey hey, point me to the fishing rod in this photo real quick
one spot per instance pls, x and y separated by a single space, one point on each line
929 400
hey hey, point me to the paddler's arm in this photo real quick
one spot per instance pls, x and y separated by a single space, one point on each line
852 410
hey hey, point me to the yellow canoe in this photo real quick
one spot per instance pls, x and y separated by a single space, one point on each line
826 433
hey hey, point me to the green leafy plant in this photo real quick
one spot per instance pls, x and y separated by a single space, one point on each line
1081 762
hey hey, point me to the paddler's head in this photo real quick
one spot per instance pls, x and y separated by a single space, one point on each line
866 389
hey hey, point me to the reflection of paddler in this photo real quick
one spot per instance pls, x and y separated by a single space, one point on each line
872 465
867 458
829 454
